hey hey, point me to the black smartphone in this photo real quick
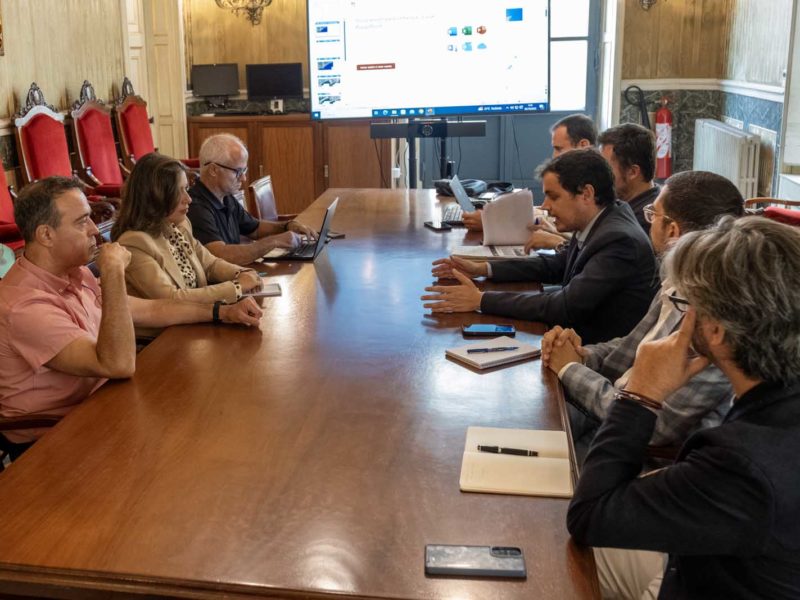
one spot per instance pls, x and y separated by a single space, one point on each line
437 225
475 561
487 330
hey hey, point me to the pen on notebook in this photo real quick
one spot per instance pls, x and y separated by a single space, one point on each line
498 349
501 450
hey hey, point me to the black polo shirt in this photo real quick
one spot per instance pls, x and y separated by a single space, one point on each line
215 221
638 203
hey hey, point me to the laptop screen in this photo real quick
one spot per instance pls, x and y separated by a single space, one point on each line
461 195
326 225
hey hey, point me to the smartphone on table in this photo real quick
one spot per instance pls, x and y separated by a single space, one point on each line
475 561
437 225
487 330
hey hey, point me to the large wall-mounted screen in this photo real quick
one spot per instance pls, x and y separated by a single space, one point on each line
382 58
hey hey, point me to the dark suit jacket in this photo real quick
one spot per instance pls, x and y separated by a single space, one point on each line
607 285
726 511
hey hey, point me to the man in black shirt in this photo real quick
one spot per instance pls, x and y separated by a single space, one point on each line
726 511
219 220
630 149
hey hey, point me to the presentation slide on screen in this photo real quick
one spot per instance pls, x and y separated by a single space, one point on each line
376 58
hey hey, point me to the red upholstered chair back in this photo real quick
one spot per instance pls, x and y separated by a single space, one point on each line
94 139
41 139
44 150
136 130
783 215
9 232
6 204
133 125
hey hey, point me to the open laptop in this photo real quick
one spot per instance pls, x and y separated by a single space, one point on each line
453 213
308 250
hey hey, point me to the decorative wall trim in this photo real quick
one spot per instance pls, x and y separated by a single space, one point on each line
774 93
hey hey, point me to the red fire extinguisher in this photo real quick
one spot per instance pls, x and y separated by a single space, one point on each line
663 141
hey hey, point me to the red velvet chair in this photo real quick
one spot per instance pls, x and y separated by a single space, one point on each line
9 232
41 140
43 151
777 209
133 125
94 142
783 215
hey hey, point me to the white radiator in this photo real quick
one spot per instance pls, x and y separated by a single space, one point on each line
729 152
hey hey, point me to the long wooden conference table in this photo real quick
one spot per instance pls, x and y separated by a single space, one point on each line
313 458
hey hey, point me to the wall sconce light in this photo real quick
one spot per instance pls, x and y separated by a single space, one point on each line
251 8
645 4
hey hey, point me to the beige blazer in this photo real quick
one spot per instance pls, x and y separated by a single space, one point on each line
154 273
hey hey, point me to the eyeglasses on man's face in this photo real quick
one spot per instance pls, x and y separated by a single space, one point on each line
650 214
239 173
680 304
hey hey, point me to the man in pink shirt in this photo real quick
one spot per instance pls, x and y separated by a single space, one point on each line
61 337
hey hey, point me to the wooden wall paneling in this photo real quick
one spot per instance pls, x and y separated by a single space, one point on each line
200 131
353 159
759 41
676 39
287 155
640 46
58 45
218 36
715 17
669 32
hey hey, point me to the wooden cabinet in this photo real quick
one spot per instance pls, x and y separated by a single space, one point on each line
303 157
353 159
282 146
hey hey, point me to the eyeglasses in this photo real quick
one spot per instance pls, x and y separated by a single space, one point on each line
650 214
239 173
680 304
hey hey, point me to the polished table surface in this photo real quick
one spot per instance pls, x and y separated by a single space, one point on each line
315 457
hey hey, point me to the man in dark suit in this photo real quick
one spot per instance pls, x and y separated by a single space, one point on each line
607 271
726 511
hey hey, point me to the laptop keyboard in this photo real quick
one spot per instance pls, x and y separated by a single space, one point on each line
452 212
303 248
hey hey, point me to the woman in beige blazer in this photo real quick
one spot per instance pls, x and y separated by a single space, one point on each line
166 260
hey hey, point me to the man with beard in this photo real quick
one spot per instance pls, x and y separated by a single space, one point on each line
606 271
726 511
591 375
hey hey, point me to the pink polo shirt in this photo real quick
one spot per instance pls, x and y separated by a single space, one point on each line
40 315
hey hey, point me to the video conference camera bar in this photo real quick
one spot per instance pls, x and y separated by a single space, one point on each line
413 129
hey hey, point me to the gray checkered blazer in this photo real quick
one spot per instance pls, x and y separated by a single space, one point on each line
702 402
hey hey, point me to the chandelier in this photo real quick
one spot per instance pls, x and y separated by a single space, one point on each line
251 8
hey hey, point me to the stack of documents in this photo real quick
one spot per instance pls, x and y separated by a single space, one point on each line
506 220
548 474
493 358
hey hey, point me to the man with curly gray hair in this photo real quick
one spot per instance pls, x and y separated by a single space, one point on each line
726 511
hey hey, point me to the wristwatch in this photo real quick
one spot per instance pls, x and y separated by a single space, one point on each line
215 312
